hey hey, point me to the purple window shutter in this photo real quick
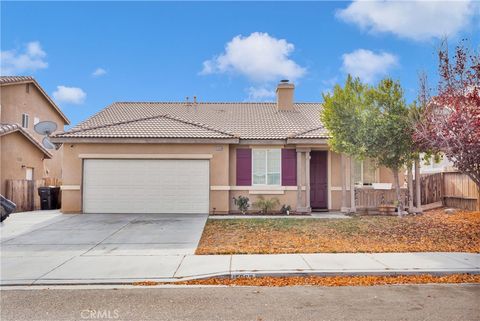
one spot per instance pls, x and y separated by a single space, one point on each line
244 167
289 167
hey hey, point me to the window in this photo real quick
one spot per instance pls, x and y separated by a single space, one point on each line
27 88
365 172
266 166
24 120
29 173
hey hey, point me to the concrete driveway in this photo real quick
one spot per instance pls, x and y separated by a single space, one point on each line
34 244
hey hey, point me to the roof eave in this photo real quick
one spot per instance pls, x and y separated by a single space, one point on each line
303 141
31 139
143 140
33 81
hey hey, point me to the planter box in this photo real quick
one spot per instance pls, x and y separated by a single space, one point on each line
387 209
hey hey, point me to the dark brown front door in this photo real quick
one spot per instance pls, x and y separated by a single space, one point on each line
318 180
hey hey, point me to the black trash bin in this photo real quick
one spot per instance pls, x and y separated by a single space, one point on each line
49 197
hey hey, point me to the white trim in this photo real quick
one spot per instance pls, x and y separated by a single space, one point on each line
147 156
70 187
220 188
338 188
264 192
254 188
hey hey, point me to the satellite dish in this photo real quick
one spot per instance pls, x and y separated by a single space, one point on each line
45 128
48 144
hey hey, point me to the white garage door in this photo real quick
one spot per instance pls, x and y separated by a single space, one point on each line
145 186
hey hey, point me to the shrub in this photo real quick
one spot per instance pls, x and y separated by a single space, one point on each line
242 203
266 205
286 209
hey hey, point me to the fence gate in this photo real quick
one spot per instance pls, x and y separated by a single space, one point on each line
452 189
24 193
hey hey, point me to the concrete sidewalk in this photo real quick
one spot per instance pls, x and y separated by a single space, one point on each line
123 269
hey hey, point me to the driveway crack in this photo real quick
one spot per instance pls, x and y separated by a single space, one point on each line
115 232
178 267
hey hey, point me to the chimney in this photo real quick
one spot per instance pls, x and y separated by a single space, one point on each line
285 91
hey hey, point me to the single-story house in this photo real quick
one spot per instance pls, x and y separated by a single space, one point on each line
194 157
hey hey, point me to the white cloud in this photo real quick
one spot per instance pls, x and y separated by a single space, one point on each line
260 94
73 95
259 57
32 58
99 72
368 65
418 20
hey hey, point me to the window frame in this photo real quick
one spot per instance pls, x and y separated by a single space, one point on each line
361 183
29 170
266 167
25 120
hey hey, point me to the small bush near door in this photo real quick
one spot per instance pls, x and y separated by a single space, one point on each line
266 205
242 203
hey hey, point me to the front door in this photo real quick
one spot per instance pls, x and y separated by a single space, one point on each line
318 180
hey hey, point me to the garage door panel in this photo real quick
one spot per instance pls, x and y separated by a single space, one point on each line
146 186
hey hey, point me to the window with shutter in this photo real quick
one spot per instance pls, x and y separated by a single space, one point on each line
244 167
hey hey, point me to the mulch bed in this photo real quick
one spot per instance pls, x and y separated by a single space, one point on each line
433 231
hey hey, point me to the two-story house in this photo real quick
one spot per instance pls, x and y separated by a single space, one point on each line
23 103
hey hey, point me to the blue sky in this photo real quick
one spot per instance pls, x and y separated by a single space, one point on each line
88 55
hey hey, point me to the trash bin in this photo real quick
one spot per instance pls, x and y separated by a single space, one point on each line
49 199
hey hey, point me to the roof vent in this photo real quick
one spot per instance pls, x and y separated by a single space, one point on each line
187 102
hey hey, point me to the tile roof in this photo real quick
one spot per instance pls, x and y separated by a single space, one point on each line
162 126
179 119
8 80
15 79
12 128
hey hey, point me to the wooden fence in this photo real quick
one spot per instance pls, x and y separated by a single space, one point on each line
368 199
452 189
459 191
431 191
24 192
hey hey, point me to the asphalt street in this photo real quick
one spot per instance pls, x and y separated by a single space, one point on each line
403 302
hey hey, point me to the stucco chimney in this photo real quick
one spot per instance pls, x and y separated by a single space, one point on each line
285 90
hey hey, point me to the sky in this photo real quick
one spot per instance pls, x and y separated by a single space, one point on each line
87 55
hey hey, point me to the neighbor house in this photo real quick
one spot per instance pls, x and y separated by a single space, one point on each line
24 103
194 157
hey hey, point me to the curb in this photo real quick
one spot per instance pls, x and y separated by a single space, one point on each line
237 274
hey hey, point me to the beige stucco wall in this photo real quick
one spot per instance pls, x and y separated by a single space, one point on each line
222 174
15 100
17 153
72 167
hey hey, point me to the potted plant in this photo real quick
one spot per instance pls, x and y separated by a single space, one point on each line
387 209
242 203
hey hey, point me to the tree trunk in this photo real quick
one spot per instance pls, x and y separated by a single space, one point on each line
397 191
410 189
478 197
418 195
